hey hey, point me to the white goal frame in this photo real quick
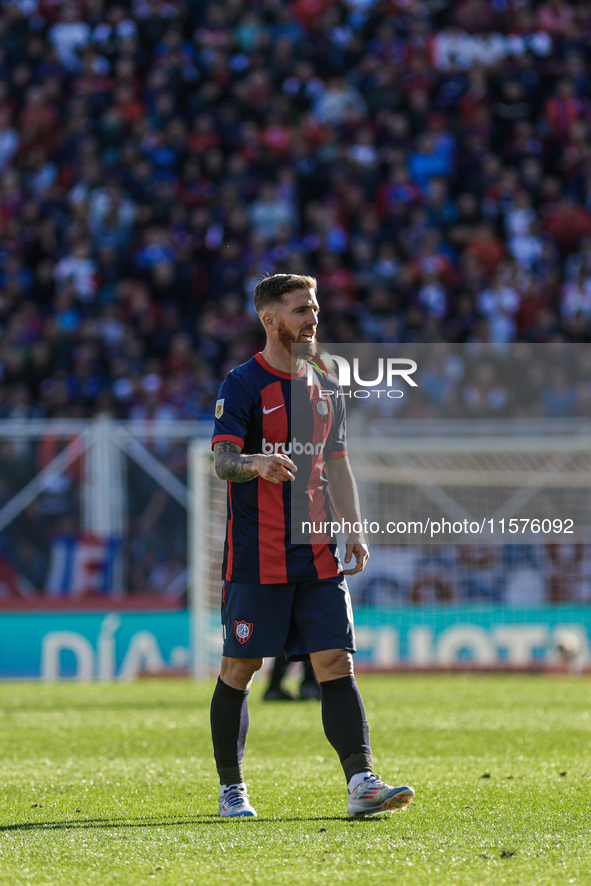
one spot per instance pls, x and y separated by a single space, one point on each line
205 583
197 560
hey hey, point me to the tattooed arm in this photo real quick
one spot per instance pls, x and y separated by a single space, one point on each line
231 464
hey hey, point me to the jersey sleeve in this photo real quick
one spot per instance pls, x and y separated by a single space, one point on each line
232 412
338 441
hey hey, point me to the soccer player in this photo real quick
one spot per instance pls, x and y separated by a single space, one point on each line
280 596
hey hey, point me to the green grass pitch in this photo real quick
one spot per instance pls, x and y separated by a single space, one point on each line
114 784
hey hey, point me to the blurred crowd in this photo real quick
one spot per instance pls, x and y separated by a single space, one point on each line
502 575
516 380
429 161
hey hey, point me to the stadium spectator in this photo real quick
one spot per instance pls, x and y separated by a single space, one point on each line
69 35
499 304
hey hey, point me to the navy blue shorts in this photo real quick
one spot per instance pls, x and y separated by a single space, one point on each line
262 621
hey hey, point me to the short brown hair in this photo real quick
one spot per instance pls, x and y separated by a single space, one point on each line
270 290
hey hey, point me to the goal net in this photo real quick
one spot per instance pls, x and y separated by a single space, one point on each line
480 553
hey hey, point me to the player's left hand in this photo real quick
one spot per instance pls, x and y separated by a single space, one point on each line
360 552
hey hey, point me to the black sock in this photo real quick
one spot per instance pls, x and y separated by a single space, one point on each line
309 674
345 724
229 727
279 671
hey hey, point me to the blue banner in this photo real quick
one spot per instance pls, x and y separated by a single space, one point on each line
84 645
443 636
123 645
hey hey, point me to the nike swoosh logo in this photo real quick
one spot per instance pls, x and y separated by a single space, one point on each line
267 411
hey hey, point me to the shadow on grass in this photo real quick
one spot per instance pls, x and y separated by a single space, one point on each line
161 822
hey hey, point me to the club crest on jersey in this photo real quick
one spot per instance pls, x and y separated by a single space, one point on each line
322 408
219 408
243 630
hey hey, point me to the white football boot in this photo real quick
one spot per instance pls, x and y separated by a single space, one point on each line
373 795
234 802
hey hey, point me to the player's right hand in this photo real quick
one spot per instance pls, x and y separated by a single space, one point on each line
275 468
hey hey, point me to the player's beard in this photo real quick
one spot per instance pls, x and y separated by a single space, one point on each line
288 341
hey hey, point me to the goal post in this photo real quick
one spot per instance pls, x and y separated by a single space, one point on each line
542 484
443 601
206 528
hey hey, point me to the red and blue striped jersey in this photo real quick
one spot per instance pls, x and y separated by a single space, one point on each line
264 411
